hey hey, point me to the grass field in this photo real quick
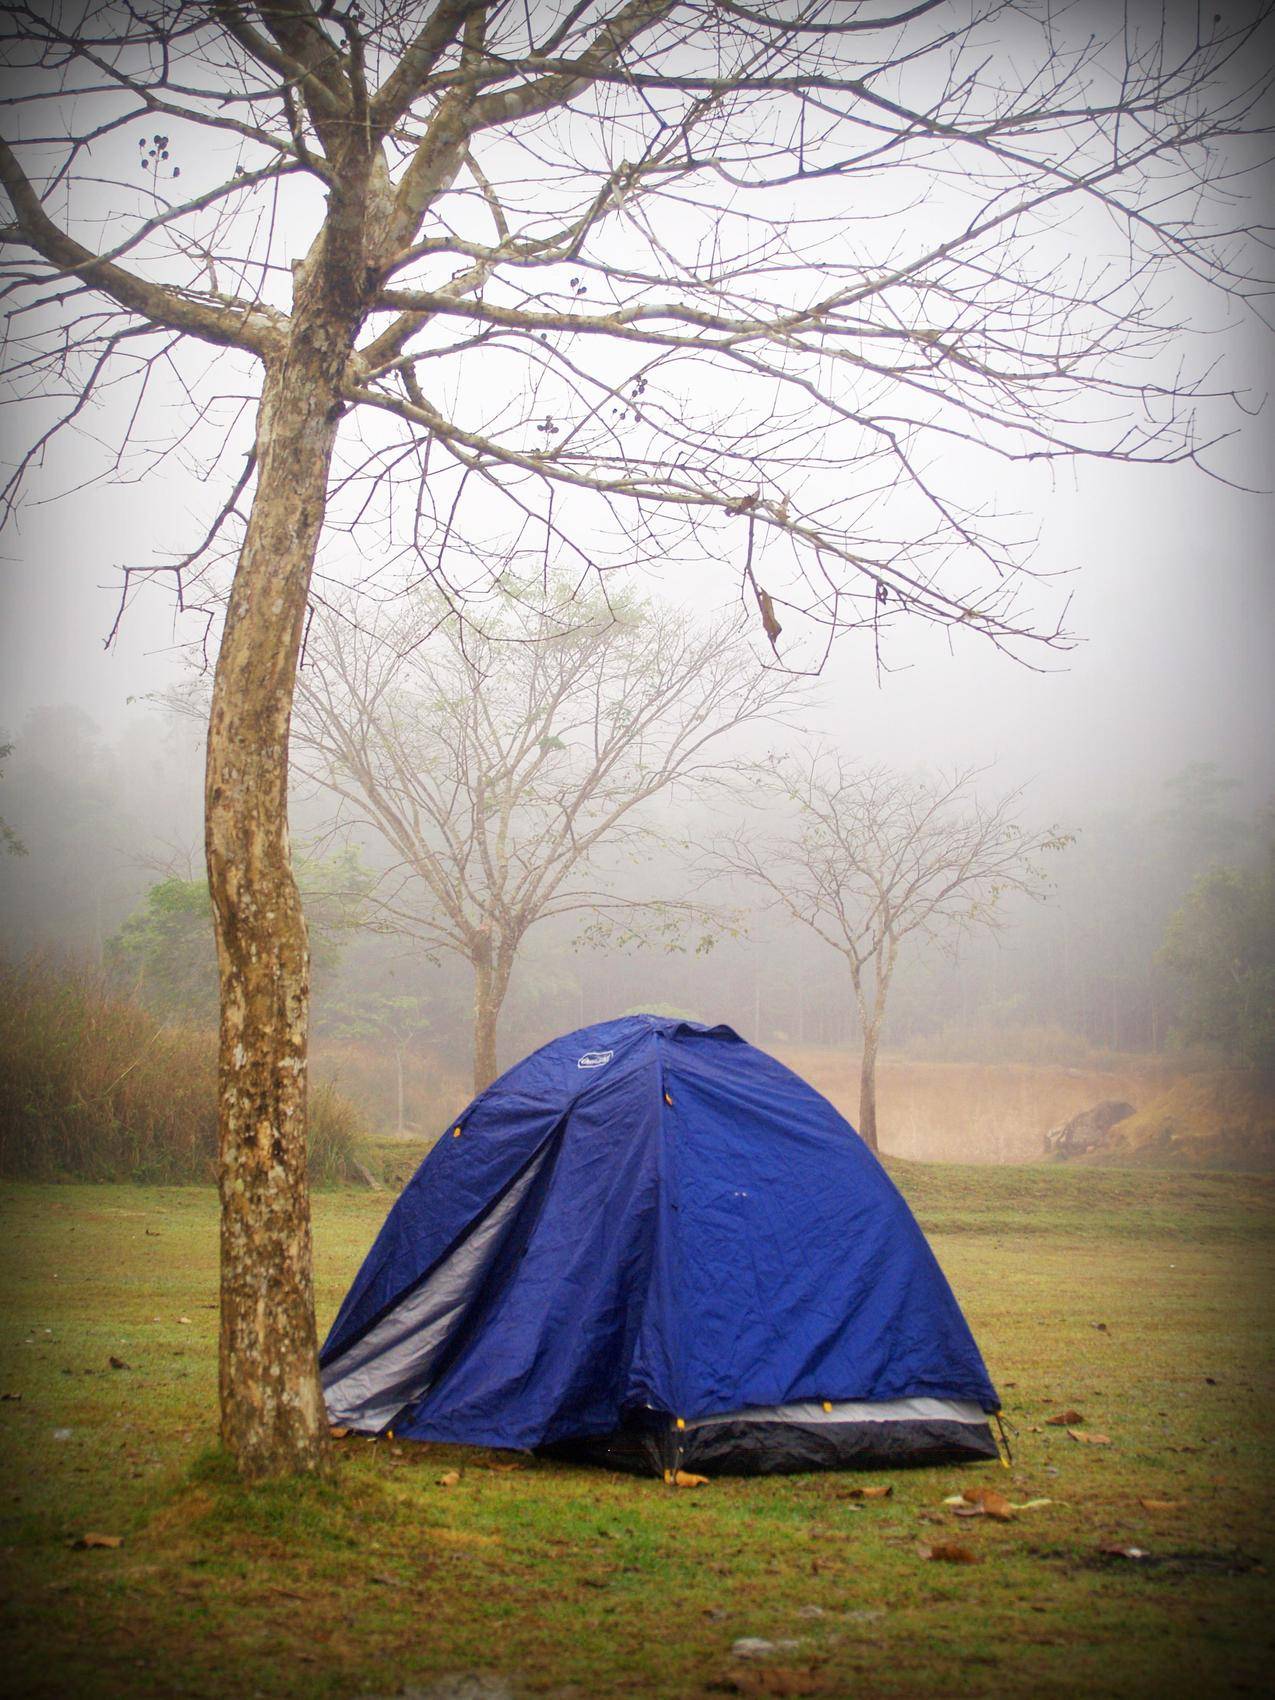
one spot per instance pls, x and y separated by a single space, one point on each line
1140 1300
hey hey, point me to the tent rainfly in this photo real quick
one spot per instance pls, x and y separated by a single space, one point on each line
651 1246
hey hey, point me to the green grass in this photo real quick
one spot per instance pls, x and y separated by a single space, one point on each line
577 1582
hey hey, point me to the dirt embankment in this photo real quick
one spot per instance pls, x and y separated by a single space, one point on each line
1001 1112
1222 1119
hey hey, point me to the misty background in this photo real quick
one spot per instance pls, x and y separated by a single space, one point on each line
1148 742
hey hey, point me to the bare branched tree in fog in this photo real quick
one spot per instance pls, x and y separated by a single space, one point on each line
868 858
498 762
629 280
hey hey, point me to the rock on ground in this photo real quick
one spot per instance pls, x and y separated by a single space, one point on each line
1088 1131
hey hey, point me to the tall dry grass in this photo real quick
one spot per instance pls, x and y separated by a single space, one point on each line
96 1087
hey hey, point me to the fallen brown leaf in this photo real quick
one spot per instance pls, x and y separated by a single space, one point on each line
502 1469
1162 1504
183 1319
685 1479
118 1363
947 1552
16 1396
336 1432
883 1491
92 1540
449 1478
989 1503
1115 1550
1089 1439
1064 1419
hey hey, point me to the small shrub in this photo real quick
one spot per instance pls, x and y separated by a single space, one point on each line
93 1086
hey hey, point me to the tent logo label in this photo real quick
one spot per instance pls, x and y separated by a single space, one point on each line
595 1059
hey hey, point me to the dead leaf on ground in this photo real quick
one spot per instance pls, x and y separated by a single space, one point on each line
883 1491
449 1478
947 1552
185 1319
15 1396
336 1432
502 1469
118 1363
685 1479
1089 1439
1162 1504
93 1540
1115 1550
1064 1419
989 1503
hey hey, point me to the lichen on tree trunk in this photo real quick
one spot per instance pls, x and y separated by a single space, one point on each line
272 1413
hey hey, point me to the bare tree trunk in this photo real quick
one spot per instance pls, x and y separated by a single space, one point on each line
868 1086
486 1014
398 1059
272 1413
491 982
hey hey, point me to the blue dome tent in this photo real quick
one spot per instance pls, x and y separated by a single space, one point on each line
650 1245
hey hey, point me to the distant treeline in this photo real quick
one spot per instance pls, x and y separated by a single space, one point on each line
1128 953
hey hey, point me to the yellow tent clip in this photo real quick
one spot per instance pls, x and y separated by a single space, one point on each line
668 1100
455 1133
681 1422
827 1405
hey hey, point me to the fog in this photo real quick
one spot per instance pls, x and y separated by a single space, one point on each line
1161 574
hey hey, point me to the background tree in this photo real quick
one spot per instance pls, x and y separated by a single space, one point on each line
9 839
1220 946
397 1019
501 764
645 277
868 858
166 950
66 789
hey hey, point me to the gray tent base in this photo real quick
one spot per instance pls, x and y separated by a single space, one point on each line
785 1440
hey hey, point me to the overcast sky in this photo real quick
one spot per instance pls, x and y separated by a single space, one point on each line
1170 577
